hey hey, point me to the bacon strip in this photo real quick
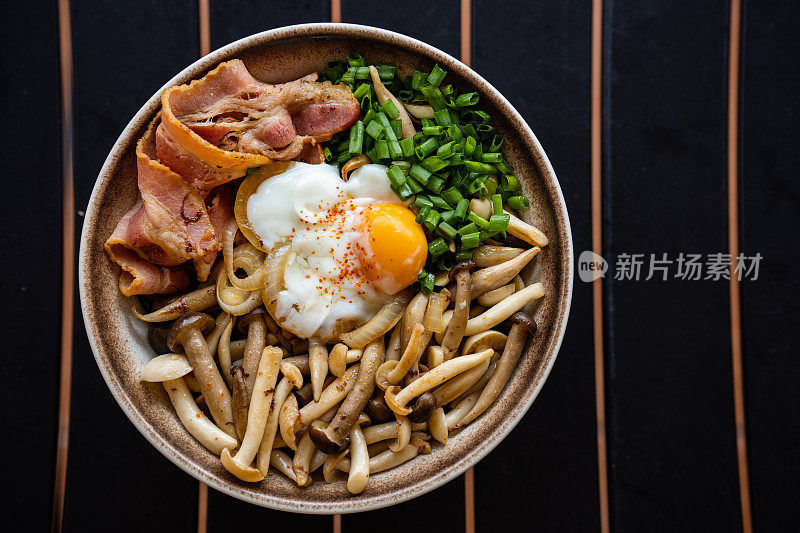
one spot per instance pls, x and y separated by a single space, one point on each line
140 276
217 127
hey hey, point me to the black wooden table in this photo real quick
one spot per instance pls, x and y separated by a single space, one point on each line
674 404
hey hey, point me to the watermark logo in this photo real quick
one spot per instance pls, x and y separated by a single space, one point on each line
591 266
662 267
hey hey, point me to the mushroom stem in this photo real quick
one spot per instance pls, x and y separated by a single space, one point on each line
193 419
318 363
454 331
389 459
260 406
305 453
457 413
456 386
397 399
289 421
253 323
437 425
333 394
359 461
403 433
526 232
501 311
198 300
490 278
496 295
220 325
393 346
241 401
414 348
516 342
186 333
282 392
332 438
383 94
282 463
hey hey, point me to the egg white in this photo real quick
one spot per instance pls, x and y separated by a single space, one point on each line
318 213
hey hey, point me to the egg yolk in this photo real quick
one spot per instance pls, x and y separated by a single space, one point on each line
394 248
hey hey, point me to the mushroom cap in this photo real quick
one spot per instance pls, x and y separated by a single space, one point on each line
422 407
378 410
304 394
462 265
486 339
526 320
323 441
194 320
165 367
244 321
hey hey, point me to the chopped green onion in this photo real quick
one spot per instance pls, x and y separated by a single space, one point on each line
492 157
452 196
497 204
407 147
426 148
432 130
446 230
363 89
462 209
390 109
355 60
375 130
422 201
469 228
362 73
431 220
356 138
436 76
443 118
396 177
478 220
325 151
420 174
454 132
434 164
385 72
435 184
510 183
475 166
444 262
497 142
404 192
445 150
466 99
416 188
426 282
418 79
434 97
470 240
439 203
449 217
498 223
518 202
464 255
438 246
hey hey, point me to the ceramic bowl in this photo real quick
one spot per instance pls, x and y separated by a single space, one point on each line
119 341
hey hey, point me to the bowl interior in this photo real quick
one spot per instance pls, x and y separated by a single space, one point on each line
119 342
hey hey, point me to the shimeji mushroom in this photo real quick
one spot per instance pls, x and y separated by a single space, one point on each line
241 401
260 403
522 326
457 413
253 325
493 277
305 453
454 331
198 300
358 476
403 433
187 336
332 395
389 459
383 94
487 255
292 378
333 438
455 387
437 425
526 232
220 324
340 357
318 363
504 309
377 409
397 398
169 369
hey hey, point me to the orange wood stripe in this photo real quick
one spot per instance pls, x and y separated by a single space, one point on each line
337 523
597 247
204 27
466 58
68 262
733 248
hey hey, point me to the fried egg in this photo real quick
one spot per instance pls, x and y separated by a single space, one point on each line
351 245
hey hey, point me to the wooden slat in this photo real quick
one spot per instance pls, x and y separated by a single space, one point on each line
770 210
31 241
669 391
436 23
123 52
539 58
231 21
